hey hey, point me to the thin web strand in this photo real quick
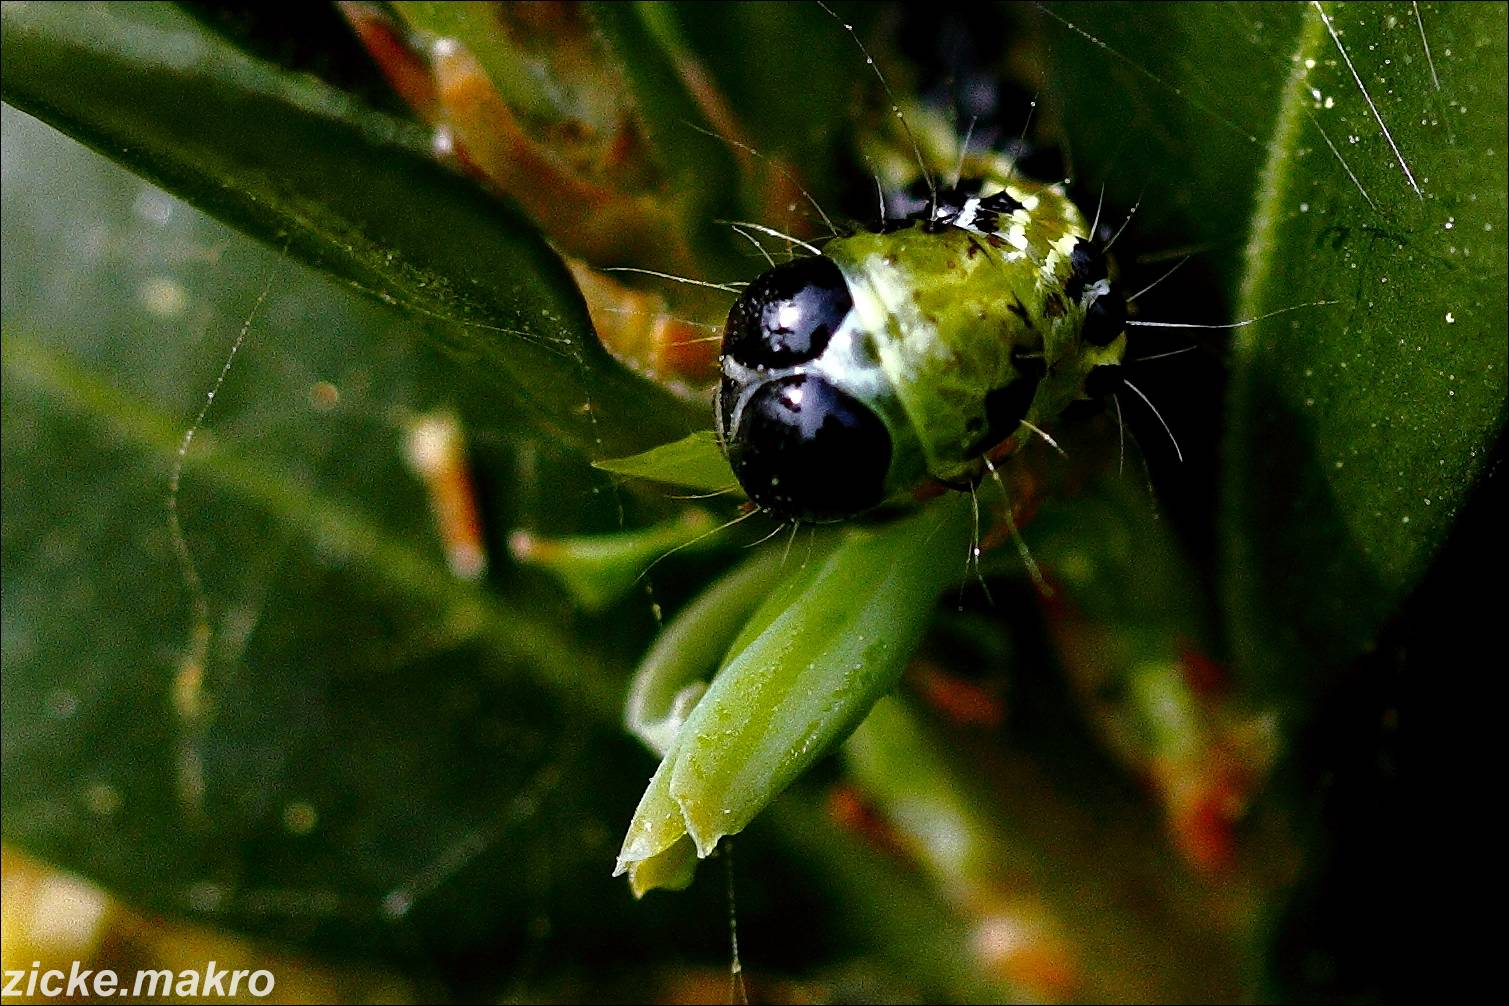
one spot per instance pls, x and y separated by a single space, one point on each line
1033 571
785 172
1426 43
197 654
738 992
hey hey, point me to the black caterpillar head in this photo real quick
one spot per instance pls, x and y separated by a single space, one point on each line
799 446
787 315
805 450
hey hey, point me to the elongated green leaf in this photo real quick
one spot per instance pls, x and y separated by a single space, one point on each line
356 193
1358 431
804 672
360 714
261 788
601 569
671 677
695 461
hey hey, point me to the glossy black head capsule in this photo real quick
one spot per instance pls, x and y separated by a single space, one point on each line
788 314
806 451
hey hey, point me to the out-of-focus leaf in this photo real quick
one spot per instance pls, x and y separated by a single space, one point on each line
389 765
276 154
375 758
319 41
224 769
699 167
802 674
695 461
803 126
1170 107
944 821
1358 430
1133 633
580 115
909 916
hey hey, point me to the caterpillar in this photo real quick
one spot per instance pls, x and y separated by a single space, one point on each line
913 349
916 349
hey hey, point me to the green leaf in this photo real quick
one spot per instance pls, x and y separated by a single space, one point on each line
375 757
669 680
601 569
275 154
695 461
258 789
1170 108
805 670
803 126
1357 431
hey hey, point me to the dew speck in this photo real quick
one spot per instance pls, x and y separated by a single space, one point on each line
163 296
324 396
153 206
300 817
62 703
102 799
205 896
